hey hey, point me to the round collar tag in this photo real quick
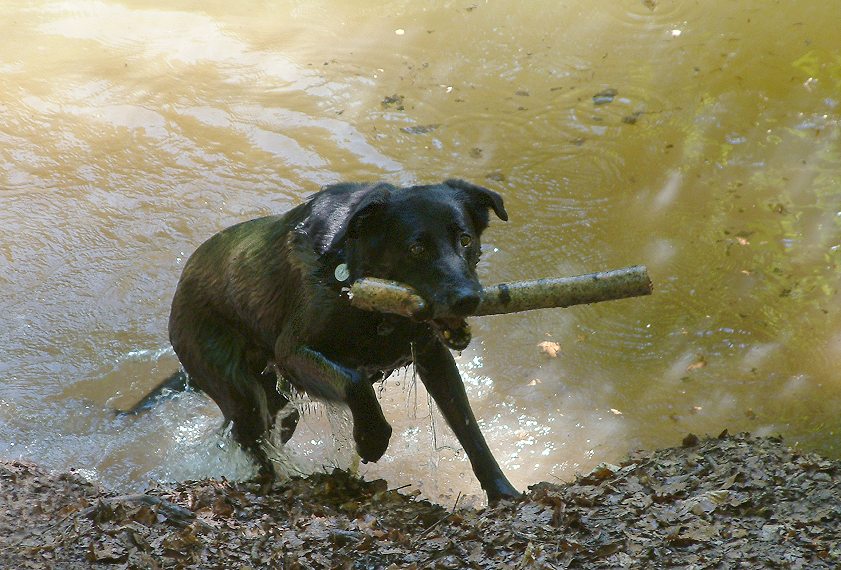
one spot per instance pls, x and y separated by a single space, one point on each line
342 273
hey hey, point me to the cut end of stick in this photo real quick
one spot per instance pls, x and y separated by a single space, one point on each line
385 296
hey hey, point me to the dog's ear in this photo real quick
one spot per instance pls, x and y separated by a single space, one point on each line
372 202
480 200
338 211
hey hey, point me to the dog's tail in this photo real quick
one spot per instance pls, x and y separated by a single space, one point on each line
177 382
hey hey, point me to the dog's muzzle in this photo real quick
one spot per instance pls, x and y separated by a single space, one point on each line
450 326
453 332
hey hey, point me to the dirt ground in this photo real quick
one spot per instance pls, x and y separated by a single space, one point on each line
725 502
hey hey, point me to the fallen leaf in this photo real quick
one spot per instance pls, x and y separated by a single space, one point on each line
550 348
700 363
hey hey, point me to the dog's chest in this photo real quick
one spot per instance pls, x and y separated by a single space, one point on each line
363 340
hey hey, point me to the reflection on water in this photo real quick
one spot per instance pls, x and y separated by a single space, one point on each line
701 139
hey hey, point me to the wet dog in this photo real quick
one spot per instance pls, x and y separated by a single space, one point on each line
272 291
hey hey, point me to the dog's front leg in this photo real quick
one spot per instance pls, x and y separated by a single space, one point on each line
323 379
438 371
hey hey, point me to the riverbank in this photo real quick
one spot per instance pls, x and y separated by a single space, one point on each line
730 501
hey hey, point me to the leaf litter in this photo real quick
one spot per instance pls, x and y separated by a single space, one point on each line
725 502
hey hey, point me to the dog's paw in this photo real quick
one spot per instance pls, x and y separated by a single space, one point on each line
502 490
371 441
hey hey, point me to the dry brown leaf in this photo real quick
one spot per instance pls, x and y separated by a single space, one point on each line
550 348
732 499
700 363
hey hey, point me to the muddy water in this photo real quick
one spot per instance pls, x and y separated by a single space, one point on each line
699 138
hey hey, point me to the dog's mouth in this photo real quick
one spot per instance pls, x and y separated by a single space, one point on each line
453 332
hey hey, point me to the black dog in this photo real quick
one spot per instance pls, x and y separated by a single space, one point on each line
269 291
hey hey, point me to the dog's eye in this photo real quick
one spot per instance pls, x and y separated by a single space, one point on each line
465 240
417 250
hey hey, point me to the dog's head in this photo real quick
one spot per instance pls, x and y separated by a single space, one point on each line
427 237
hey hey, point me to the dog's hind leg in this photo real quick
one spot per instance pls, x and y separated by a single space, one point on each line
277 401
225 365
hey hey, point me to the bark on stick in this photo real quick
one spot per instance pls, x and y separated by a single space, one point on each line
391 297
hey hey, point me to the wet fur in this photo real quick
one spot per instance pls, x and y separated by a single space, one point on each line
265 292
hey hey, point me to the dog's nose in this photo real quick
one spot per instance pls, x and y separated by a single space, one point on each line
464 302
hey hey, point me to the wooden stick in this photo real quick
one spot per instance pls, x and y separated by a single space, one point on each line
385 296
565 291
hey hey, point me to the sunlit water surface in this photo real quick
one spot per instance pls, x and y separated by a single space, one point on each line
698 138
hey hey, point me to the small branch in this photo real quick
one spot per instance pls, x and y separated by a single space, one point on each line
385 296
565 291
181 516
